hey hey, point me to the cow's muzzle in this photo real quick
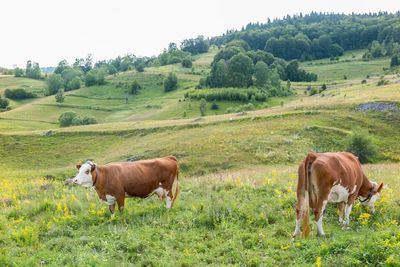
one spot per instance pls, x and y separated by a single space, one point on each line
70 181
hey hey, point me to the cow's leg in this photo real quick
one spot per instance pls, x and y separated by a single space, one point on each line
347 215
341 207
319 214
121 203
297 230
168 199
112 210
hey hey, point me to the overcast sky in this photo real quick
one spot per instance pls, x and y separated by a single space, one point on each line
48 31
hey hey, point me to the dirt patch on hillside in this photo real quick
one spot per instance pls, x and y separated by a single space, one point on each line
378 106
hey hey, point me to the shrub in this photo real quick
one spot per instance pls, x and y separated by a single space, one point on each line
230 94
382 82
66 118
364 81
313 91
171 82
74 84
203 105
60 96
4 103
214 105
360 144
187 62
135 88
18 94
83 120
54 83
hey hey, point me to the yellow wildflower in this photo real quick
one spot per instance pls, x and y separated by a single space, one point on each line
318 261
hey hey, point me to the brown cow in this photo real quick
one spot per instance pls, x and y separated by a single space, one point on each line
115 181
331 177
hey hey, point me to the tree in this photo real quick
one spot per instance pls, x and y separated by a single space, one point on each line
60 96
219 74
261 74
54 83
195 46
171 82
33 70
66 118
61 67
90 78
18 93
214 105
18 72
135 88
240 70
4 103
187 62
360 144
376 49
203 106
394 61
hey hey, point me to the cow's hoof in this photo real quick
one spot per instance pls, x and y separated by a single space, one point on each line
345 227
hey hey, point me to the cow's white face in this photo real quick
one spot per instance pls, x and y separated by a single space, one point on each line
371 202
84 176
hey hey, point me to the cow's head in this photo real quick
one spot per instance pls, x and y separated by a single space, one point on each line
85 174
373 196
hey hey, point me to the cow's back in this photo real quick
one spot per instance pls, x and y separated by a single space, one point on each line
140 178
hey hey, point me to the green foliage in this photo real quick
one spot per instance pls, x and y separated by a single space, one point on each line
241 108
360 144
135 88
230 94
382 82
66 118
313 91
296 75
71 118
394 61
33 70
261 74
203 106
18 94
54 83
187 62
214 105
171 82
195 46
74 84
18 72
96 76
83 120
60 96
4 103
240 69
376 49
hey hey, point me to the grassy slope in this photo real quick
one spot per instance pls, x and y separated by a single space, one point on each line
238 181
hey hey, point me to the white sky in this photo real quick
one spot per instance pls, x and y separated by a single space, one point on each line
48 31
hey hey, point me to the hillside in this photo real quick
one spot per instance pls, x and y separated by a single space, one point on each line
238 171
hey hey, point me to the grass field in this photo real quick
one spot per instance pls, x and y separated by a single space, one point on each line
238 175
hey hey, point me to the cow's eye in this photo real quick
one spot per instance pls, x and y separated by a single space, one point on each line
87 172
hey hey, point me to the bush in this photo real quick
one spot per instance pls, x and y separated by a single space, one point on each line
60 96
230 94
313 91
66 118
214 105
187 62
4 103
54 83
203 105
18 94
171 82
71 118
135 88
382 82
364 81
360 144
74 84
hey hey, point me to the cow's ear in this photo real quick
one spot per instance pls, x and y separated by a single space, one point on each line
78 166
93 167
380 187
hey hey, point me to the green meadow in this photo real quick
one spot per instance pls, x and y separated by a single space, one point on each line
238 172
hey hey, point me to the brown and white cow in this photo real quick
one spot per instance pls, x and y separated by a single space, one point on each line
331 177
115 181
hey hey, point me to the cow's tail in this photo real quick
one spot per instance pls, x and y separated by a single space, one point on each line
175 187
305 209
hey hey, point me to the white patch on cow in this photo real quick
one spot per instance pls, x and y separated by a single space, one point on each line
168 202
110 200
159 191
320 229
354 190
84 176
338 194
297 230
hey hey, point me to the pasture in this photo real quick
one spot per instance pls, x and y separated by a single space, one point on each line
238 175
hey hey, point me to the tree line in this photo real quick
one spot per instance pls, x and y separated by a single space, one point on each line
316 35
